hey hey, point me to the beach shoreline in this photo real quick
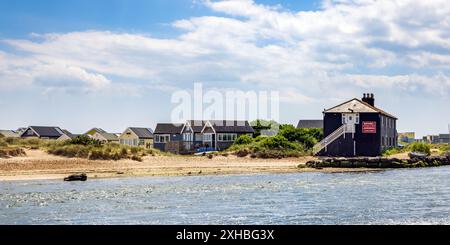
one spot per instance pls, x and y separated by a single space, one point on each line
39 165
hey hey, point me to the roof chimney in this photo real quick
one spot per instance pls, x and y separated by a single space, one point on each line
369 99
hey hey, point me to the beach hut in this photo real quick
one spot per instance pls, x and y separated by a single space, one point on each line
133 136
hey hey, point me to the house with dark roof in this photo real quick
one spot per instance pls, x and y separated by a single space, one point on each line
200 135
167 137
357 128
8 134
42 132
133 136
310 124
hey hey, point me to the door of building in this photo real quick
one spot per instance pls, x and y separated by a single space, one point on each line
350 120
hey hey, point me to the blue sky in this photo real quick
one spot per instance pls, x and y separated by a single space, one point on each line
115 63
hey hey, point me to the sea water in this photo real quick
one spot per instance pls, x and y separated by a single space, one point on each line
402 196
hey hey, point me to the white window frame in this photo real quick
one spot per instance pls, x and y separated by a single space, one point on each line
166 138
227 137
207 137
187 137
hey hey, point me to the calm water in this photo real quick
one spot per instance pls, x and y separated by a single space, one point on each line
406 196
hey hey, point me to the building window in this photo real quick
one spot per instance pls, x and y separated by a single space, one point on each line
187 137
207 137
227 137
198 137
141 142
162 138
357 119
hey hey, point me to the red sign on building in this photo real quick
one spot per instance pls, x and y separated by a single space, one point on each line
369 127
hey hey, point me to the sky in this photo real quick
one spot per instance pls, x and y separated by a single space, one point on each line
80 64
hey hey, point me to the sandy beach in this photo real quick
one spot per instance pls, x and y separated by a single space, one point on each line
40 165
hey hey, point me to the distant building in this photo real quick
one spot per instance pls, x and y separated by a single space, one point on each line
105 137
357 128
42 132
20 131
165 133
310 124
133 136
444 138
431 139
8 134
198 135
67 135
94 130
407 137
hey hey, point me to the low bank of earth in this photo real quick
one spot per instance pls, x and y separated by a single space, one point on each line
37 164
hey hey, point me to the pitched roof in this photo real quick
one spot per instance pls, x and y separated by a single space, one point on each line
96 130
197 125
69 134
44 131
356 105
143 133
310 124
227 126
109 136
168 128
9 133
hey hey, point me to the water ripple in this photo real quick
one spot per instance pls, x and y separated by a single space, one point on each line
404 196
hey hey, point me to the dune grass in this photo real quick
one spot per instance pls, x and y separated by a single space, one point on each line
268 147
421 147
83 147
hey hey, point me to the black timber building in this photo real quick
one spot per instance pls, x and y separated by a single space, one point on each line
357 128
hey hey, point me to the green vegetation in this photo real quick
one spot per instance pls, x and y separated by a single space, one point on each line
443 148
393 151
289 142
420 147
306 136
85 140
243 140
84 147
260 125
435 149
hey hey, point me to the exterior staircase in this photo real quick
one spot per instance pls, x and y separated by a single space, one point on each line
329 139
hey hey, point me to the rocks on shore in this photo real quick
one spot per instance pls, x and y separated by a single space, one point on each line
76 177
415 161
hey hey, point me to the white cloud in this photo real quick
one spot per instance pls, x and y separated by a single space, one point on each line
402 45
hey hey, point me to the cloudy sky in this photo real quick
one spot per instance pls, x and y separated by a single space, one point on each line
115 63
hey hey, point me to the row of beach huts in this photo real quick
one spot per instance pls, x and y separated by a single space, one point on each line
191 136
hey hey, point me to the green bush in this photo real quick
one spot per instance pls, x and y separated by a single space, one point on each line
277 142
393 151
85 140
420 147
244 139
306 136
269 147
